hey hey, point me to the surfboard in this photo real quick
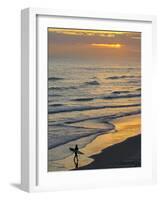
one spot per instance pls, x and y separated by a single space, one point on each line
73 150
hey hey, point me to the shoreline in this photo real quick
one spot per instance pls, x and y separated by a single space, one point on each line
126 127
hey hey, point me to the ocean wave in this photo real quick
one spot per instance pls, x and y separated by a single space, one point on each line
134 81
115 96
83 99
102 118
56 104
120 92
51 94
52 109
122 77
51 89
92 83
55 140
55 78
56 91
62 88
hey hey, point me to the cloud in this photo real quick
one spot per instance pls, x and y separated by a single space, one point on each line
112 46
100 33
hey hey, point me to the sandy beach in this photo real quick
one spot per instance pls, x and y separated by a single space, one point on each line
125 154
120 148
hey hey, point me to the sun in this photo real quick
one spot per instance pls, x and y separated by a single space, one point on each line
111 45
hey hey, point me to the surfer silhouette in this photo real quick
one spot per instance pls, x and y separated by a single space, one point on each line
76 152
76 160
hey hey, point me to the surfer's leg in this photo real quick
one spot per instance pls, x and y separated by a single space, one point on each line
77 158
76 161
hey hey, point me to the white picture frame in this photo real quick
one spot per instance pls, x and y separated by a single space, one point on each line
34 176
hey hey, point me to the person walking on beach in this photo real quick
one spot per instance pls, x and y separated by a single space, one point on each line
76 160
76 152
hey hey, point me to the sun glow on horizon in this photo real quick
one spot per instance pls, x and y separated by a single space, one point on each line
115 46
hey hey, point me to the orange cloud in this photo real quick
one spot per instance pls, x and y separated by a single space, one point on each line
81 32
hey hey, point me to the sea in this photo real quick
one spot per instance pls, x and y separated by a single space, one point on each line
83 99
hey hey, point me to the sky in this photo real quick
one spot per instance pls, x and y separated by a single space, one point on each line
115 47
